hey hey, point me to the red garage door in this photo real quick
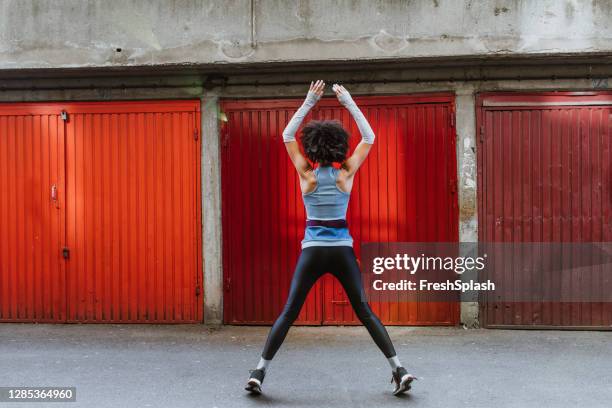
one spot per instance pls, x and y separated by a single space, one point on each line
105 223
544 175
404 192
32 222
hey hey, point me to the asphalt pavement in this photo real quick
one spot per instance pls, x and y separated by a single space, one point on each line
200 366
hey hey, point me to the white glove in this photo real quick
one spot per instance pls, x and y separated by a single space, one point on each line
344 97
298 117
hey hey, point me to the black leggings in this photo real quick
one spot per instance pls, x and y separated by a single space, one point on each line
312 264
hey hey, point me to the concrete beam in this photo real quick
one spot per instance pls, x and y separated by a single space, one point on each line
466 179
211 211
41 34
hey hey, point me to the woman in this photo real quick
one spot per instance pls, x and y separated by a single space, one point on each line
327 244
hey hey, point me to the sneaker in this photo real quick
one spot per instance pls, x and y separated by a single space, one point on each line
255 380
402 380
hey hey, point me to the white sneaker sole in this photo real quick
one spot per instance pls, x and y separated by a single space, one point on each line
253 386
404 384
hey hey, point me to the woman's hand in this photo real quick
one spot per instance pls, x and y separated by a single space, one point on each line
315 92
344 97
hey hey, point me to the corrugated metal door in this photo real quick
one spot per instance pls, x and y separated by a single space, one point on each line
404 192
127 213
32 208
262 214
133 219
544 175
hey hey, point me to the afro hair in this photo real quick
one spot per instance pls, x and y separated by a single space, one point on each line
325 141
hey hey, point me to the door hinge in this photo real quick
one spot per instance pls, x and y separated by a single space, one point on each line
228 284
64 116
481 133
452 118
197 290
196 134
66 253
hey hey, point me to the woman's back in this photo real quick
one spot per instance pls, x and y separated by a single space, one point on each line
326 203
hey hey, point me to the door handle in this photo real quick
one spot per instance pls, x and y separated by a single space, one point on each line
54 195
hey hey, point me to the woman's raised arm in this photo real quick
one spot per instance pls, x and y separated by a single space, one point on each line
299 161
362 150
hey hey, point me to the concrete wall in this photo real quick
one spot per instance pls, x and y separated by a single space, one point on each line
120 33
211 210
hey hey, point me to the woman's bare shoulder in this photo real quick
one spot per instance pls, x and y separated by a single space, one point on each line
308 181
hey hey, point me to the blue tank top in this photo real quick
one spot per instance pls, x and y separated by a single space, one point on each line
326 202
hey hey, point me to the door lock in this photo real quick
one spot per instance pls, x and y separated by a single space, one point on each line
66 253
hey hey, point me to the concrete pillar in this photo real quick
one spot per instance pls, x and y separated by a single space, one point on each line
466 172
211 211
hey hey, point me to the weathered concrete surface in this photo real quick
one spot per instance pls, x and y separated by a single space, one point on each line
211 211
193 366
117 33
465 103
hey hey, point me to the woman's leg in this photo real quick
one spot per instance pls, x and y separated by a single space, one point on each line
307 271
344 267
